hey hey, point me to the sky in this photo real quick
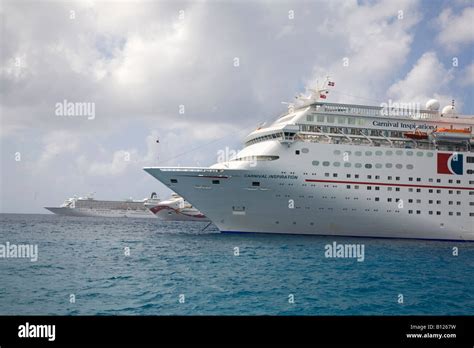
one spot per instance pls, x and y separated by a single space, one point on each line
198 76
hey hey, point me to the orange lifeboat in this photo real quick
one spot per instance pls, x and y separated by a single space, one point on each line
416 135
452 134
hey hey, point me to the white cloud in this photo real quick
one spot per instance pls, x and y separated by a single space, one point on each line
427 79
57 143
374 40
120 161
468 75
456 30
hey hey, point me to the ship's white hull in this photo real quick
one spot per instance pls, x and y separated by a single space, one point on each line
295 196
83 212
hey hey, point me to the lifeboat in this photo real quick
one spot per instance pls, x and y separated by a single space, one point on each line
416 135
452 134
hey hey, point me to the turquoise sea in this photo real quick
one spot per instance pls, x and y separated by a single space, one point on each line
107 266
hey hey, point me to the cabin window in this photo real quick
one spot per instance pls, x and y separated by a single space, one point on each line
255 183
216 182
174 181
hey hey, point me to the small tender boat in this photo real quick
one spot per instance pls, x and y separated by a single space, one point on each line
452 134
416 135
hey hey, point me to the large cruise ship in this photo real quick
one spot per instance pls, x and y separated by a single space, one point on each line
322 168
88 206
175 209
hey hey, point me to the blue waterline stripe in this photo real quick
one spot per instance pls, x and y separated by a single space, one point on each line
345 236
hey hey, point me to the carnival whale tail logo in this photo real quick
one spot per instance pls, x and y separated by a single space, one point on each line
450 163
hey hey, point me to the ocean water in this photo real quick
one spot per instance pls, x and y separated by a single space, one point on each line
86 257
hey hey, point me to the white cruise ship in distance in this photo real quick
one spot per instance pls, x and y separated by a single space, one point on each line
343 169
88 206
175 209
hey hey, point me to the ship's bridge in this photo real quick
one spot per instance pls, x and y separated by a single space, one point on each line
283 129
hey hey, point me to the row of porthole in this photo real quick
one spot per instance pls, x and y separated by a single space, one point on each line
359 165
387 153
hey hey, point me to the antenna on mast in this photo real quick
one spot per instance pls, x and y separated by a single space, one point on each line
321 92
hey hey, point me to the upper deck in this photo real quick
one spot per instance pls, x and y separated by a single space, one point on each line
400 111
378 125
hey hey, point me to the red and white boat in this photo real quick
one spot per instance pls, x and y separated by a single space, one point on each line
416 135
176 209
